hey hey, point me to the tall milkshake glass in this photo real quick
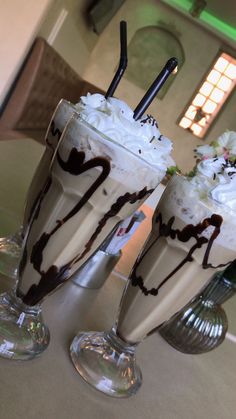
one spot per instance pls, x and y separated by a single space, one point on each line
92 185
191 238
10 247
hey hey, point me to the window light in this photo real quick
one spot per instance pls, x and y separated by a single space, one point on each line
191 112
209 107
221 64
231 71
213 92
185 123
214 76
196 129
224 83
206 88
199 100
217 95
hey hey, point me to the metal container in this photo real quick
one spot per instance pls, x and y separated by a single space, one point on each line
96 270
201 326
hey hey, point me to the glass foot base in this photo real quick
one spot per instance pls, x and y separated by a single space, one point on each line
107 363
22 332
10 251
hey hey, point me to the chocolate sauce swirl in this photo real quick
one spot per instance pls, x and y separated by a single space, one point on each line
55 276
34 213
55 132
114 210
184 235
75 165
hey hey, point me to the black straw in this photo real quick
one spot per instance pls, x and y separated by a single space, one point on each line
155 87
123 60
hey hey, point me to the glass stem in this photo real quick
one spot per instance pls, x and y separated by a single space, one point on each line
119 343
17 304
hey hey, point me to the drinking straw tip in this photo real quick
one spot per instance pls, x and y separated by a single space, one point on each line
171 64
155 87
123 60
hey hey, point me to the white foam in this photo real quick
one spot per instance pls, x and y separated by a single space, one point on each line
114 118
191 208
126 167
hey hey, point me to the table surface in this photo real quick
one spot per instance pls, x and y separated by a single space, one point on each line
175 385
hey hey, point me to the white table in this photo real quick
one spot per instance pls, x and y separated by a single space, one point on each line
175 386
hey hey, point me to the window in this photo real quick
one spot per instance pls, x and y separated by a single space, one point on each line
210 97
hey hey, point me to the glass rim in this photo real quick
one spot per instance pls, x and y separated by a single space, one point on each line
62 100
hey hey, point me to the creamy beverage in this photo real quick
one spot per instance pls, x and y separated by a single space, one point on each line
105 166
193 234
61 116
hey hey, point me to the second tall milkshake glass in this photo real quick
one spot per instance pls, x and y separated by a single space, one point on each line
92 185
191 237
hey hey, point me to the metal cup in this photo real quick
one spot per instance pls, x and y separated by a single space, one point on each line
96 270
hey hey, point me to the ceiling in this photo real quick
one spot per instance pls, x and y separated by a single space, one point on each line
224 10
218 16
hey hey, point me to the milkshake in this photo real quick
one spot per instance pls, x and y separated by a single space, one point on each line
192 236
104 167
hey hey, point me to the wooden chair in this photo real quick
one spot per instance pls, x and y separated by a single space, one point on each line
44 79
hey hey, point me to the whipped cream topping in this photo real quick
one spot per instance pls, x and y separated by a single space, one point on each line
225 192
215 174
114 118
210 167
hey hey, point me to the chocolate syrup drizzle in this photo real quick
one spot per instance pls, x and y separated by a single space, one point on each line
188 232
34 213
55 276
75 165
55 132
114 210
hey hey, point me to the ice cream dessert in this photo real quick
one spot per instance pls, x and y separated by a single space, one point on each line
193 235
105 166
